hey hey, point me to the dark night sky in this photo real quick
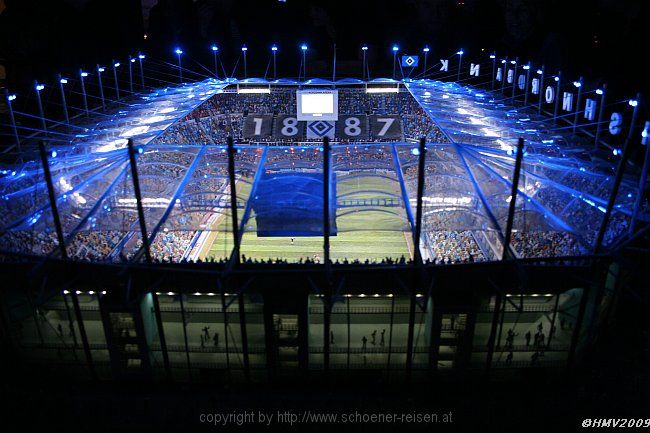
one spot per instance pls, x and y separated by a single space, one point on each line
600 39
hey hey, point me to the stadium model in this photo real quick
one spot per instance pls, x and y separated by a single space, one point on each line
410 227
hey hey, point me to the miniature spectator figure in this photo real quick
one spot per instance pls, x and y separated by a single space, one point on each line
202 342
364 340
540 327
291 241
536 343
331 337
215 339
562 323
206 333
534 358
59 329
509 358
374 337
453 321
527 336
381 342
541 339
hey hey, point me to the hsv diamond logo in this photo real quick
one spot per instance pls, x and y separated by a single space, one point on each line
320 129
410 61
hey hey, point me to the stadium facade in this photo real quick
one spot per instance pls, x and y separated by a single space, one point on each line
348 246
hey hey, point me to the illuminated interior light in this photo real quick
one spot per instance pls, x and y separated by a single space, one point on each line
264 90
382 90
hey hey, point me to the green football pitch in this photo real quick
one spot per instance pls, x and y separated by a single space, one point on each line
362 234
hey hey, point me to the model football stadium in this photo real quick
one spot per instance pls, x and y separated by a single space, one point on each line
428 227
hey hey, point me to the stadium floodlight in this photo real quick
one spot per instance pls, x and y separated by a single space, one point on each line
513 62
493 57
540 72
364 48
117 84
132 60
460 52
244 50
141 57
556 78
599 91
39 88
215 53
395 50
11 98
577 84
178 52
503 62
303 48
633 102
83 75
426 50
101 86
64 103
274 51
526 67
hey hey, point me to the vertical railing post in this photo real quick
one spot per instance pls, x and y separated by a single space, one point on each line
64 256
138 198
327 295
233 199
417 234
64 103
513 198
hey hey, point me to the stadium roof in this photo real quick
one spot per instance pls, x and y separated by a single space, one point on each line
565 186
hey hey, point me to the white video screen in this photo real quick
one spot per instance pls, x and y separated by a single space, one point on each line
317 105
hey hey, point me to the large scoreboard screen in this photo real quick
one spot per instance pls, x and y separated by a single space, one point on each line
317 105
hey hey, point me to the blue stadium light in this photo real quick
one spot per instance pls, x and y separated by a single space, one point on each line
11 98
492 56
101 69
303 47
556 78
395 48
274 48
132 60
117 64
40 87
415 151
616 152
503 62
63 81
526 67
426 49
244 48
599 91
460 52
365 48
54 154
141 56
513 62
84 74
178 51
214 48
540 72
633 102
578 84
